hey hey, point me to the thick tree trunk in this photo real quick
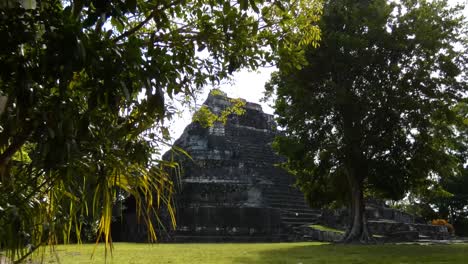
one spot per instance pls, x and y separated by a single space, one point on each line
358 231
354 162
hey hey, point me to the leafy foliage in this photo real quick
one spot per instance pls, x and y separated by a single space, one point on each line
374 111
452 204
84 92
443 222
449 198
206 117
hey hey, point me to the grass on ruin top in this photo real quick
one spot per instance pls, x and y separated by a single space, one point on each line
306 252
331 229
326 228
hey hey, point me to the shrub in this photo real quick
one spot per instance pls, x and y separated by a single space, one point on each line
443 222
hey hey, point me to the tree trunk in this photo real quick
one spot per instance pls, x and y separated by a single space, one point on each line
354 162
358 231
16 145
6 155
3 103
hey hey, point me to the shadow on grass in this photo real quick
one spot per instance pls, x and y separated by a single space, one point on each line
378 254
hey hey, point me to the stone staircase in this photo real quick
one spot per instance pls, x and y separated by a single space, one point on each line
292 206
386 224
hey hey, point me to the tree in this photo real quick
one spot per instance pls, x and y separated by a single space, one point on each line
372 114
448 200
450 204
85 91
454 208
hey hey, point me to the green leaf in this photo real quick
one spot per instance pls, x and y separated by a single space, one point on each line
131 5
226 7
117 24
244 4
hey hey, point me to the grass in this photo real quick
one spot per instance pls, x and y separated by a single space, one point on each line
307 252
331 229
326 228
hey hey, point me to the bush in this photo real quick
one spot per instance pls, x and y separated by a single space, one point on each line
462 226
443 222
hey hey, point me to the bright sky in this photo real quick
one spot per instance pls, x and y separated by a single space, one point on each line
246 85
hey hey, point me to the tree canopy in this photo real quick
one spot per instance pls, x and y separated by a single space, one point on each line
449 200
85 90
373 114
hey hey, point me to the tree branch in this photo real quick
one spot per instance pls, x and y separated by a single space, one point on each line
3 103
137 27
147 19
77 7
30 252
17 143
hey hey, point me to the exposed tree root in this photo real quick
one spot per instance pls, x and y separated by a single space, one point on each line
358 232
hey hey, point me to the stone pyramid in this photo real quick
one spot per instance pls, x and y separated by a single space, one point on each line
232 187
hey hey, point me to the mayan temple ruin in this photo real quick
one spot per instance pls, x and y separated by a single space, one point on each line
232 190
232 187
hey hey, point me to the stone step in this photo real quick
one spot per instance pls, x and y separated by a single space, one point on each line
283 181
289 201
297 223
322 236
300 211
299 219
293 210
309 238
292 206
301 215
283 195
283 188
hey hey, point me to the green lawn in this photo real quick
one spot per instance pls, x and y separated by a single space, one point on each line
331 229
264 253
326 228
